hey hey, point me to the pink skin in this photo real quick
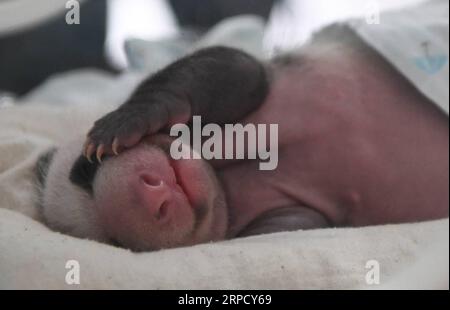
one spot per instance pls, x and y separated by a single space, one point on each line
148 201
358 144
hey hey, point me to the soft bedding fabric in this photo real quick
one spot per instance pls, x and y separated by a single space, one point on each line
32 257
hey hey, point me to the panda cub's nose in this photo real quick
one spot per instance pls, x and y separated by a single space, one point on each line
155 195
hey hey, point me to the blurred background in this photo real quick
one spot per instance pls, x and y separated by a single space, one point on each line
36 42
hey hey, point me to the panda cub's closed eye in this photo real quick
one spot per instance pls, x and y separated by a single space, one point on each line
83 173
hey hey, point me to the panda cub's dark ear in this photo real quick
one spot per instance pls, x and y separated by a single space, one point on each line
43 164
83 173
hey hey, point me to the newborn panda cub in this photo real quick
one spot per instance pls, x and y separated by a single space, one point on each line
355 140
142 199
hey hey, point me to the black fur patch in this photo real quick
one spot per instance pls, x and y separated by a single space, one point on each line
83 173
222 85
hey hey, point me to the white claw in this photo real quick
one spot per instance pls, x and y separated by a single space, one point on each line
115 147
89 151
100 152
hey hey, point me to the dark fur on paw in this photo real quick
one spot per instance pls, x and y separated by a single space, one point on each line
124 128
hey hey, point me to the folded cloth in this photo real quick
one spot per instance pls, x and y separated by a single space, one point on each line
32 257
242 32
415 42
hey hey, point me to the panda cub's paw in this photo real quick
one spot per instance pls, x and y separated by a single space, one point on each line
124 128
